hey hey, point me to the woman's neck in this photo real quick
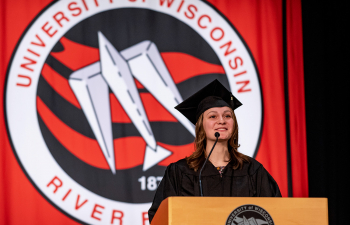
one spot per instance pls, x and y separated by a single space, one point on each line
220 155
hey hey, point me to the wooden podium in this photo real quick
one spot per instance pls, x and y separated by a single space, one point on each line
217 210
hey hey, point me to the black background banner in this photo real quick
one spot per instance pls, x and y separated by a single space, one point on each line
327 92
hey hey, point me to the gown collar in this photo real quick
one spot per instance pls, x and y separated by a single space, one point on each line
211 170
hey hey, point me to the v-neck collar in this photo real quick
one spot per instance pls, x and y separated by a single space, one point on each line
211 170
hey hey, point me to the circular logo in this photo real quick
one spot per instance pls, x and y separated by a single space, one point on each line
90 96
249 215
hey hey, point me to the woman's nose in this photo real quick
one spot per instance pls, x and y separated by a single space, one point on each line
221 119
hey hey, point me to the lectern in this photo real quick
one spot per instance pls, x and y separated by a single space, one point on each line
242 211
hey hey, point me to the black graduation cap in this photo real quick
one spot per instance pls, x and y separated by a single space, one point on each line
212 95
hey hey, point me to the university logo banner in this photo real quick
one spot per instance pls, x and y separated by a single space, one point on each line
91 87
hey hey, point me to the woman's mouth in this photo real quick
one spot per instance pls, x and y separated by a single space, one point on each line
221 129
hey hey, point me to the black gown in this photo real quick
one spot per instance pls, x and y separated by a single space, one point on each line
179 180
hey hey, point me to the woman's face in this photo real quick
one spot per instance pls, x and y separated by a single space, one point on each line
218 119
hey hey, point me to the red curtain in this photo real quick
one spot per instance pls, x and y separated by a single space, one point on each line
277 57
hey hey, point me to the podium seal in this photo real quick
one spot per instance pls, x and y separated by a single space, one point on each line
249 215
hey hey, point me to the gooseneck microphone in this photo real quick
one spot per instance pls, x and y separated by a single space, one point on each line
217 135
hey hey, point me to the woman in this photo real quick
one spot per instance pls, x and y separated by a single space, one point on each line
227 172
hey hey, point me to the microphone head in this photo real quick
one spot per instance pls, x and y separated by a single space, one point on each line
217 134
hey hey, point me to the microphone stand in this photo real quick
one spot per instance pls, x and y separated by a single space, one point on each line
217 135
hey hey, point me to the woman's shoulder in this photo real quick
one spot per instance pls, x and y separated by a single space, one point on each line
253 163
249 167
180 166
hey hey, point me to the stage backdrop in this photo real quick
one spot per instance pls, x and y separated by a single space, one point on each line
88 124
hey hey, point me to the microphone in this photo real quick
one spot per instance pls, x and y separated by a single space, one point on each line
217 135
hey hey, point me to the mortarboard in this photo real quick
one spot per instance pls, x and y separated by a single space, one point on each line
212 95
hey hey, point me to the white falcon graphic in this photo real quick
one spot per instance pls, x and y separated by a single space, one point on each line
117 70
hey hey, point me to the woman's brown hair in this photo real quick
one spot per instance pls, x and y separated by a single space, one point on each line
197 158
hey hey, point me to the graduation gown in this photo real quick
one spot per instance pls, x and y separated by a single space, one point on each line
179 180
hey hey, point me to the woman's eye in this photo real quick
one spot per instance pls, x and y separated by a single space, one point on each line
212 117
228 116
